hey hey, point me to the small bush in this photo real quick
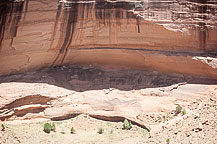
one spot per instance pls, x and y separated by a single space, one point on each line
178 109
127 124
48 127
168 141
100 131
3 127
184 112
72 130
144 133
111 131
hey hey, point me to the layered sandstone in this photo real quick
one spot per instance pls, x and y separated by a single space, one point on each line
173 42
62 93
163 36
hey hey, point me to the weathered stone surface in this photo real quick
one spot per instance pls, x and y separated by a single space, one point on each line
155 35
171 36
111 95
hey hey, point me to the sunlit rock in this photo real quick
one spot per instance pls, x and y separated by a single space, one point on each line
153 34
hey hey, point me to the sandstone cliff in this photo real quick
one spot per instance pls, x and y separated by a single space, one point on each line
165 36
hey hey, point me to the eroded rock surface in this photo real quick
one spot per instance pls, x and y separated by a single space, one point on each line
65 92
177 38
159 35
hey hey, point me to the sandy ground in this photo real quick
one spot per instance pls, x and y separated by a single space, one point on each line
197 126
86 131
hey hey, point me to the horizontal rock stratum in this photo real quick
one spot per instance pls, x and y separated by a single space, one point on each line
171 37
112 60
62 93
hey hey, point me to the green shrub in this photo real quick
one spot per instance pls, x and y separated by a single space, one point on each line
168 140
184 112
178 109
3 127
48 127
72 130
100 130
127 124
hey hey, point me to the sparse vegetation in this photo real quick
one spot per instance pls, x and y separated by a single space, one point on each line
184 112
168 140
100 130
127 124
49 127
144 133
158 119
72 130
111 131
3 127
178 110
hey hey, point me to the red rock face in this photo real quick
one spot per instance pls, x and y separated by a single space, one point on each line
171 37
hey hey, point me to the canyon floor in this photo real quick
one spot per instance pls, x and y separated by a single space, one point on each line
91 98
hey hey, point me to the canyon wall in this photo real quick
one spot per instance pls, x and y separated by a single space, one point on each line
174 36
